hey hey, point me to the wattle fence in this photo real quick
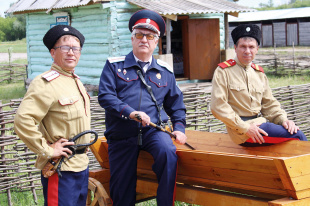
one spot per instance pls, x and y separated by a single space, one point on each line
17 172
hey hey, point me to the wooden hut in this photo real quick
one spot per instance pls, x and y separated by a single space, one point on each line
194 38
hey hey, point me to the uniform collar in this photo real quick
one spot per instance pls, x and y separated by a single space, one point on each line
130 61
244 66
62 71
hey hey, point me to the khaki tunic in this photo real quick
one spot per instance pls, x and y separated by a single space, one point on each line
51 110
240 90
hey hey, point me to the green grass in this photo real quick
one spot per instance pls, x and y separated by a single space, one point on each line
18 46
22 198
276 81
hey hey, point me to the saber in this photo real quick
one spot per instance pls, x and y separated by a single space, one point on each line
164 130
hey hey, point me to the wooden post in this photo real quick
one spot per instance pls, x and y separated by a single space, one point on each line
168 36
294 58
226 31
2 133
275 59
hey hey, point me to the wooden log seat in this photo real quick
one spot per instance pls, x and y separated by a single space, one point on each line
219 172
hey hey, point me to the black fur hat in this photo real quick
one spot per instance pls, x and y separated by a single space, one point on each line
246 30
52 35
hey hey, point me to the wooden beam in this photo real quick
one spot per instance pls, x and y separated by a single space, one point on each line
168 36
171 17
226 25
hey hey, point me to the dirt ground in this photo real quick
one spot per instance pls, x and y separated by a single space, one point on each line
4 57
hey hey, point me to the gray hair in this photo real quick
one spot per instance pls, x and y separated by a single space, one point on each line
246 38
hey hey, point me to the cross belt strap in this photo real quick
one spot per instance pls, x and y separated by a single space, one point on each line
149 89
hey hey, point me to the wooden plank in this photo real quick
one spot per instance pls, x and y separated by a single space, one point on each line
295 175
268 193
221 142
289 202
99 149
227 160
201 196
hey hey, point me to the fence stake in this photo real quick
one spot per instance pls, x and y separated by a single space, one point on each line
294 58
2 133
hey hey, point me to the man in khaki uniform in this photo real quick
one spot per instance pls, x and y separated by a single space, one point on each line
240 92
55 108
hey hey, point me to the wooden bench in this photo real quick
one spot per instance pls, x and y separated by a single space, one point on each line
219 172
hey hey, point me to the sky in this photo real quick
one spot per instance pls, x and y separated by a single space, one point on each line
5 4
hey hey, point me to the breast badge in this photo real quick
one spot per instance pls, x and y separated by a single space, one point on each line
158 75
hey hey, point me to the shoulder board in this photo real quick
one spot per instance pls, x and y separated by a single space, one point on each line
256 67
49 76
227 63
116 59
165 64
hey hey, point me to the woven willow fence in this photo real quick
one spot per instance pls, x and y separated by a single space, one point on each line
284 64
13 73
17 172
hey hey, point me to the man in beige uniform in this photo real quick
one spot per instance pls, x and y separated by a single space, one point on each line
240 92
55 108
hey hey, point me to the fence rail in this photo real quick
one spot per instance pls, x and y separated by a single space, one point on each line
17 171
13 73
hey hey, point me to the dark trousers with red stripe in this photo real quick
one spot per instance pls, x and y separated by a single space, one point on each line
278 131
68 190
123 156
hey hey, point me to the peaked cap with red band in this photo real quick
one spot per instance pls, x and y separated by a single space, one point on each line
147 19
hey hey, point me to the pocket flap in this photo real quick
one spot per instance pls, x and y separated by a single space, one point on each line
68 100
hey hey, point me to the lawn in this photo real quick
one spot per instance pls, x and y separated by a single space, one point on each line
18 46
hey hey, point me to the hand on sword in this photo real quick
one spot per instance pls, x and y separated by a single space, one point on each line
179 137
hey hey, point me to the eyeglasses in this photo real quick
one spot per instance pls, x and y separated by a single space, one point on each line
148 36
66 49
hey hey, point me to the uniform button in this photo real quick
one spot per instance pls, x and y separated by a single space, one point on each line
119 70
127 78
43 154
238 89
71 101
158 83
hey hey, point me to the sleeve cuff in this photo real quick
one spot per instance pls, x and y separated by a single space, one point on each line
179 127
126 112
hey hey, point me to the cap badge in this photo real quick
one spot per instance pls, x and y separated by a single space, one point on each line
124 71
66 29
158 75
148 21
248 29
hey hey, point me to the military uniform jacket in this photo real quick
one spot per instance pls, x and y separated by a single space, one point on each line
239 90
121 92
56 105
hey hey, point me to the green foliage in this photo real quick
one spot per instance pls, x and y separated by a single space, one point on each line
22 198
12 28
292 4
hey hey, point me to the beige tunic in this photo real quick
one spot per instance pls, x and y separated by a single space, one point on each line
51 109
243 91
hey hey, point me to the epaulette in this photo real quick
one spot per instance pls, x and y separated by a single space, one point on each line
165 64
256 67
49 76
227 63
116 59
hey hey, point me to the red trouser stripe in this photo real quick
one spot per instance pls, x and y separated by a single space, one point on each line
273 140
52 190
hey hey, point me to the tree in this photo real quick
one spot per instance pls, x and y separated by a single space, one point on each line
12 28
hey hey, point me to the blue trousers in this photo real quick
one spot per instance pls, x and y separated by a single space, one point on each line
123 155
274 130
68 190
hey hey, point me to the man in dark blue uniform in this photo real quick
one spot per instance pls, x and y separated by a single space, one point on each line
130 107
